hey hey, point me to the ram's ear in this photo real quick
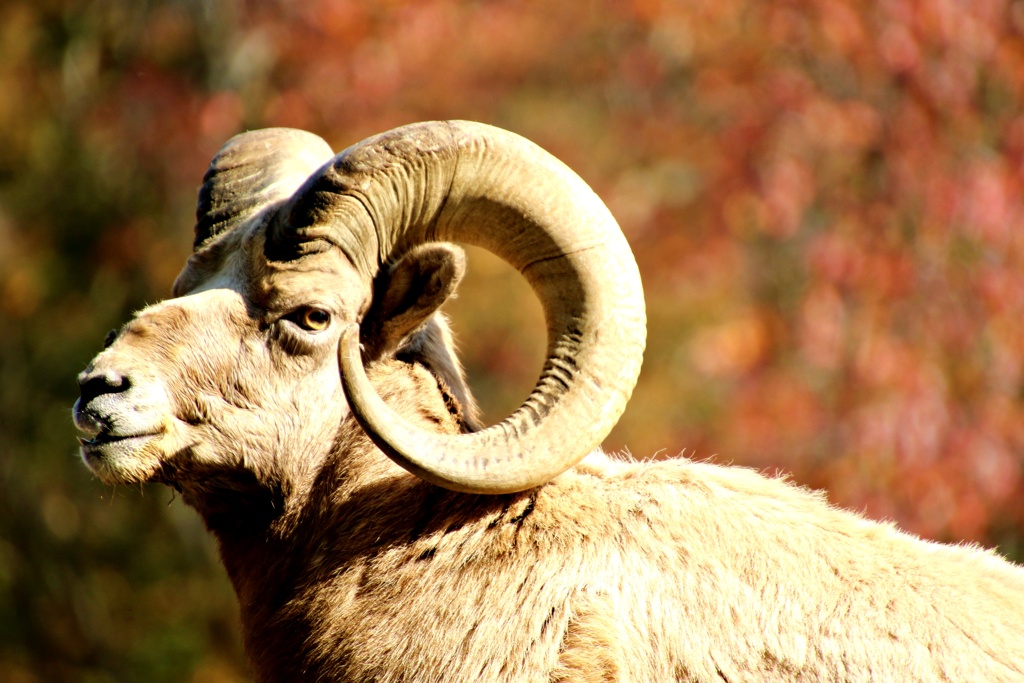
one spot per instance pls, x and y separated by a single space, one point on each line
408 292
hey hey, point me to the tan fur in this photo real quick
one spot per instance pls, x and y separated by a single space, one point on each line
630 572
347 568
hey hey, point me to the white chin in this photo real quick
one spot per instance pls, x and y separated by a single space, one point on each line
125 460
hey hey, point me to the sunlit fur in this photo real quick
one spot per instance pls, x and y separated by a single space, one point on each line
615 571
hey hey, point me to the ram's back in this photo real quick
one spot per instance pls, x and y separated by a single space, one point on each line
664 571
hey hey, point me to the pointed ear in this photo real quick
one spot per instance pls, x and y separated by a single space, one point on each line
408 292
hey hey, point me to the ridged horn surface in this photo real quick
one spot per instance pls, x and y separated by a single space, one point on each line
468 182
251 172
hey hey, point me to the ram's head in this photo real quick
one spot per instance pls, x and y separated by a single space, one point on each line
304 260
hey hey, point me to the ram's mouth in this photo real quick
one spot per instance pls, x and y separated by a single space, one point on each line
122 458
105 441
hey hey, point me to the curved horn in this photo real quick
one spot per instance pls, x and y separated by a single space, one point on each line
250 172
461 181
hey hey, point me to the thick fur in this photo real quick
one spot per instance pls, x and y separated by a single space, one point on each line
615 571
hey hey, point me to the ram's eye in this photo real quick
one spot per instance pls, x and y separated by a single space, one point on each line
313 319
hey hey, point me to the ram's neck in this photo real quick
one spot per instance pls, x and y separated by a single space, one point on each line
324 527
259 554
263 568
332 516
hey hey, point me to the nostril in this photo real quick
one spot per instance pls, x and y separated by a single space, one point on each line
97 384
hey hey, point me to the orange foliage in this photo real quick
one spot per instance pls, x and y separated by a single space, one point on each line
824 197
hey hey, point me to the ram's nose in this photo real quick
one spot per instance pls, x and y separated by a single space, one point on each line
93 384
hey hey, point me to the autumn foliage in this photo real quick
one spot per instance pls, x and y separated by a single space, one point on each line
826 200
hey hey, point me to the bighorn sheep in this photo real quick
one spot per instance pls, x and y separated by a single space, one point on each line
518 552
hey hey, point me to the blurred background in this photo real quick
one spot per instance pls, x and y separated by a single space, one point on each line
825 199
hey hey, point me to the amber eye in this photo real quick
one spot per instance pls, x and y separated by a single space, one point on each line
313 319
